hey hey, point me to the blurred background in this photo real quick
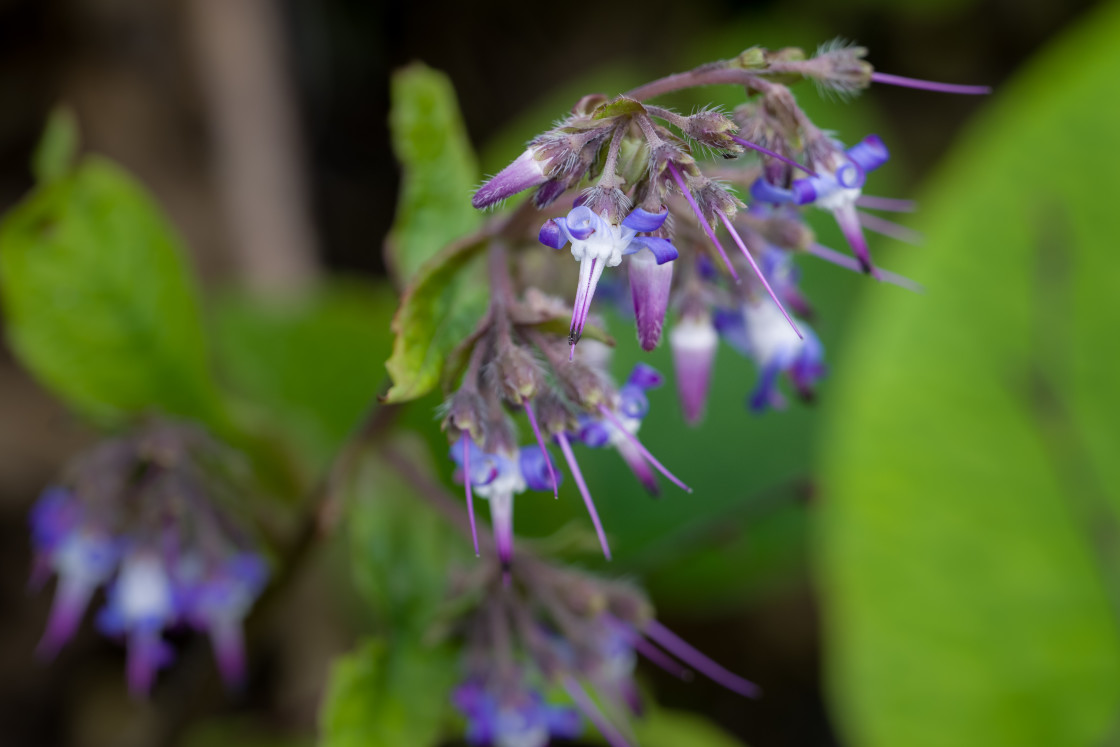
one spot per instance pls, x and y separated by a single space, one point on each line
261 128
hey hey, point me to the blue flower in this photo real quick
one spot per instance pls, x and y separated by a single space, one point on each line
598 243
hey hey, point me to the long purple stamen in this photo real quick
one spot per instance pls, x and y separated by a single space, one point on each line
886 203
851 263
660 658
642 449
544 451
929 85
570 458
678 647
470 497
587 706
888 228
772 154
700 216
746 253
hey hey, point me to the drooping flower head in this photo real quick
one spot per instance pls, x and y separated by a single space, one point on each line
147 517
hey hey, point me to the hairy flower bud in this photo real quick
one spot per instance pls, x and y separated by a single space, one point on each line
517 374
714 129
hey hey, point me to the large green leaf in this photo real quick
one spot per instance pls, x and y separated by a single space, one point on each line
99 302
441 307
967 544
438 170
309 366
387 695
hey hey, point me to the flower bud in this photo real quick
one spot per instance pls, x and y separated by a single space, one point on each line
650 284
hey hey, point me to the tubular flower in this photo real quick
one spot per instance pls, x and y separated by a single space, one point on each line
597 243
498 478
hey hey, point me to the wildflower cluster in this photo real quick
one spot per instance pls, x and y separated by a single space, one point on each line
543 640
147 516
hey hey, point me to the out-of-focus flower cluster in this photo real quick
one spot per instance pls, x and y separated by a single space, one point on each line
150 517
548 648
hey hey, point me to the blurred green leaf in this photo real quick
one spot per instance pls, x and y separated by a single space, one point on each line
439 170
387 695
99 302
661 727
968 545
310 365
400 548
442 306
241 731
55 153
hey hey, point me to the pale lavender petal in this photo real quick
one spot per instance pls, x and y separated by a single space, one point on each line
587 706
582 222
746 253
525 172
763 191
594 271
698 661
147 653
645 376
927 85
642 449
570 458
849 226
700 217
694 343
650 284
470 497
888 228
540 442
644 221
501 516
228 640
70 601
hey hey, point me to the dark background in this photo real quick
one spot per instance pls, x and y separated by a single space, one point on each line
146 83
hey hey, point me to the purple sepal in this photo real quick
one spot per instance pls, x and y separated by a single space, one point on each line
869 153
552 235
581 222
70 602
650 284
644 221
549 192
766 192
147 654
534 468
661 249
525 172
645 376
594 433
694 343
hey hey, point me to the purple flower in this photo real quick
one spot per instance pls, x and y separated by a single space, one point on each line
757 331
597 244
836 186
519 717
498 478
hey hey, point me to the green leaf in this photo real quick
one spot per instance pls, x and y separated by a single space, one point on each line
55 153
661 727
99 302
309 366
441 308
387 695
401 550
439 170
620 107
968 542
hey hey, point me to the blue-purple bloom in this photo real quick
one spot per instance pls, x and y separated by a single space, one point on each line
519 717
597 243
836 186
